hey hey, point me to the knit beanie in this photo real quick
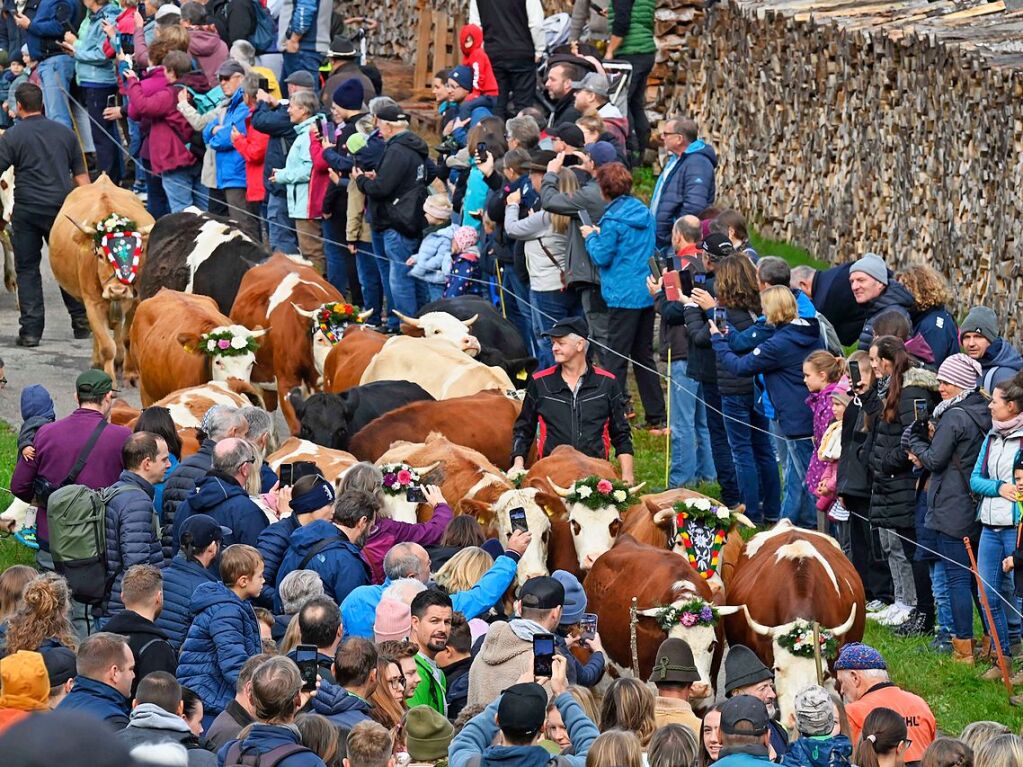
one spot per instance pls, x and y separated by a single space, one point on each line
438 206
575 597
960 370
461 76
815 714
840 394
873 266
349 94
743 668
980 320
393 621
355 143
465 237
24 682
427 734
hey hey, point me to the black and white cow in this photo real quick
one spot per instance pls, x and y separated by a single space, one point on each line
195 252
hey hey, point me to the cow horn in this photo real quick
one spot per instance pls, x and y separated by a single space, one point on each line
844 628
407 320
562 491
365 315
426 469
743 519
650 613
663 516
468 322
83 228
636 488
307 313
759 628
146 229
729 609
259 332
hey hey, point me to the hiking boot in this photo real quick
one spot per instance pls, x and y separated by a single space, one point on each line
917 624
983 650
962 651
993 674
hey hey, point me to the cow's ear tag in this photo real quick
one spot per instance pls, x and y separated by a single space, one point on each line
521 375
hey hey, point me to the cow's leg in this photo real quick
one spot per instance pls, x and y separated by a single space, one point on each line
286 384
103 349
130 367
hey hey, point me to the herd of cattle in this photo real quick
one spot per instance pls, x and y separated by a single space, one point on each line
441 397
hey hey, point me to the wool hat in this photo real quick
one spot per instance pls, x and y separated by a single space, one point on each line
602 152
857 656
24 682
349 94
301 78
61 664
594 82
717 246
981 320
230 68
464 238
570 133
523 708
356 143
393 621
744 715
743 668
815 714
960 370
319 495
461 76
674 663
542 593
438 206
427 734
840 394
341 48
92 383
575 597
872 265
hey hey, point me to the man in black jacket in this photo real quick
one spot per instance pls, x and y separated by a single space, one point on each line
515 41
234 19
559 87
573 403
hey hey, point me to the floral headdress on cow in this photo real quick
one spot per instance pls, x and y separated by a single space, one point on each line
597 492
398 478
223 342
799 640
695 612
702 527
332 319
120 240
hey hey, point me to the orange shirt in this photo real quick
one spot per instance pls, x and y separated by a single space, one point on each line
919 719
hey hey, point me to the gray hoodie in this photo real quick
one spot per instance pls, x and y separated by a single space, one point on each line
151 724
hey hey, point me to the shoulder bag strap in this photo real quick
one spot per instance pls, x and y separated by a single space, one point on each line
83 456
553 260
320 546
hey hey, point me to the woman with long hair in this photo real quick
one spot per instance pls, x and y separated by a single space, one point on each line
44 617
320 736
616 748
463 570
947 752
1001 751
931 318
883 741
710 736
12 585
976 734
388 699
629 705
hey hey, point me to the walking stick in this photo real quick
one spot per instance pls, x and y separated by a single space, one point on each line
667 437
633 645
500 292
817 653
1002 666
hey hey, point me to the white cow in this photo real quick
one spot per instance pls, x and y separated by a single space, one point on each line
445 326
593 530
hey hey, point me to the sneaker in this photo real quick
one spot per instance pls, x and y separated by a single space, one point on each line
916 625
899 614
942 643
876 606
883 614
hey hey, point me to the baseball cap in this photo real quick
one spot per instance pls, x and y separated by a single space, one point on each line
167 9
717 246
200 530
229 68
300 78
567 326
60 664
602 152
523 707
341 48
542 593
93 382
391 114
744 715
570 133
594 82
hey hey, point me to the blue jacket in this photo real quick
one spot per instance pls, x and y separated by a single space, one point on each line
819 752
277 125
780 359
46 29
222 637
584 674
340 565
687 189
92 67
178 486
433 261
273 544
621 251
340 706
1000 362
308 18
11 36
180 579
939 330
266 737
358 610
744 756
475 738
133 536
227 502
230 163
894 298
97 699
158 488
267 478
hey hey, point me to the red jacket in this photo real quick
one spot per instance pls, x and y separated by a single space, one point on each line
154 103
252 146
483 81
319 180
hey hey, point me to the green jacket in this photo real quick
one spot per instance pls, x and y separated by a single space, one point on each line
432 690
637 32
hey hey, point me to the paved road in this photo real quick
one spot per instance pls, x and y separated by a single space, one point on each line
55 363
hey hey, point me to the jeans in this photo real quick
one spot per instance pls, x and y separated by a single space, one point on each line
134 148
939 586
958 585
282 231
516 306
383 267
900 556
105 136
434 291
184 187
516 85
28 230
341 269
407 291
642 64
373 277
719 449
156 197
995 545
797 503
632 335
549 306
691 456
55 74
752 455
307 61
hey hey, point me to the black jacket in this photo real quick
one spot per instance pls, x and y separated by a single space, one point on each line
179 486
728 383
234 19
405 165
457 675
592 420
893 492
674 335
274 122
149 645
703 362
564 111
506 34
853 473
833 297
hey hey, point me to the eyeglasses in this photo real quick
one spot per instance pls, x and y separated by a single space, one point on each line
398 683
670 133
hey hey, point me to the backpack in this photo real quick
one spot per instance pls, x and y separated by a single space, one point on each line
77 517
203 102
236 757
262 37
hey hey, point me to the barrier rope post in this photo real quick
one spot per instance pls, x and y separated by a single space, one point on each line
667 437
817 653
633 618
1002 666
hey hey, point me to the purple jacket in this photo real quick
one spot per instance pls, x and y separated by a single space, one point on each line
823 415
387 532
57 446
154 103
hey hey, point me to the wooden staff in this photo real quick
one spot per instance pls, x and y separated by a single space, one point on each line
500 292
633 618
817 653
1002 666
667 437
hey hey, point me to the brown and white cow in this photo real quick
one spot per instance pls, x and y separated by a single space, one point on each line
272 295
785 574
322 343
658 579
444 326
81 268
165 340
332 463
348 360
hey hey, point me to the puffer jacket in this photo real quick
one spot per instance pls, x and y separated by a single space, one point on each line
273 544
728 383
854 478
178 486
893 491
686 188
621 251
579 267
433 261
895 297
340 706
92 67
217 135
227 502
820 405
222 637
297 172
939 330
180 580
992 470
133 535
340 565
405 164
263 738
950 457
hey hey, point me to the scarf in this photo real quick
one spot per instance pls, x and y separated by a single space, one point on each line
945 404
883 384
1005 428
525 629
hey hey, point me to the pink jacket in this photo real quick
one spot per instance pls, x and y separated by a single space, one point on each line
387 532
823 415
153 102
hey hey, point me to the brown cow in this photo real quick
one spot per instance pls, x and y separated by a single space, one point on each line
332 463
482 422
786 574
350 357
657 578
272 295
165 342
84 271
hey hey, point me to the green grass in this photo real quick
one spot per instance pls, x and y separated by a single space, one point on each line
11 552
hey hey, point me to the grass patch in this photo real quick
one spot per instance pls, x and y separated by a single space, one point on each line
11 552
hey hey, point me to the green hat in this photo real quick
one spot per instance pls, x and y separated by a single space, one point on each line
92 383
427 734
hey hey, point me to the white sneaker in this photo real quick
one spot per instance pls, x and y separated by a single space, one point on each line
898 616
880 615
876 606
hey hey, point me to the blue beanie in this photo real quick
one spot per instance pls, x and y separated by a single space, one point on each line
461 75
349 94
319 495
575 597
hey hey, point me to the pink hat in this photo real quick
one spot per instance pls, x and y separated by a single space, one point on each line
465 237
394 621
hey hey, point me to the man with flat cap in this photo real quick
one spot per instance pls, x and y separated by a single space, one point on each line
673 675
745 733
747 676
573 403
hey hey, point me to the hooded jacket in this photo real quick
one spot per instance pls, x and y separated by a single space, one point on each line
227 502
273 544
894 297
251 145
230 163
24 687
151 724
340 565
297 173
1000 362
579 268
178 486
938 328
473 56
97 699
687 188
180 579
819 752
263 738
502 659
92 67
206 47
621 250
992 470
222 637
275 123
340 706
823 411
36 410
433 261
148 645
133 534
154 103
405 165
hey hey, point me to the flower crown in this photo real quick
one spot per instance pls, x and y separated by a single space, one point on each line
112 224
224 343
330 317
598 492
799 640
695 612
701 510
398 477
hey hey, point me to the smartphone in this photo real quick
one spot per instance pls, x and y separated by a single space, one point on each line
127 45
655 267
921 410
720 318
685 282
587 626
699 280
264 84
111 101
481 150
543 654
415 494
672 286
319 126
286 472
307 658
854 373
584 218
517 517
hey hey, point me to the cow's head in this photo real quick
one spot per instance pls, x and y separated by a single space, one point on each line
327 325
794 666
231 350
323 418
119 245
442 325
701 633
668 520
594 517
